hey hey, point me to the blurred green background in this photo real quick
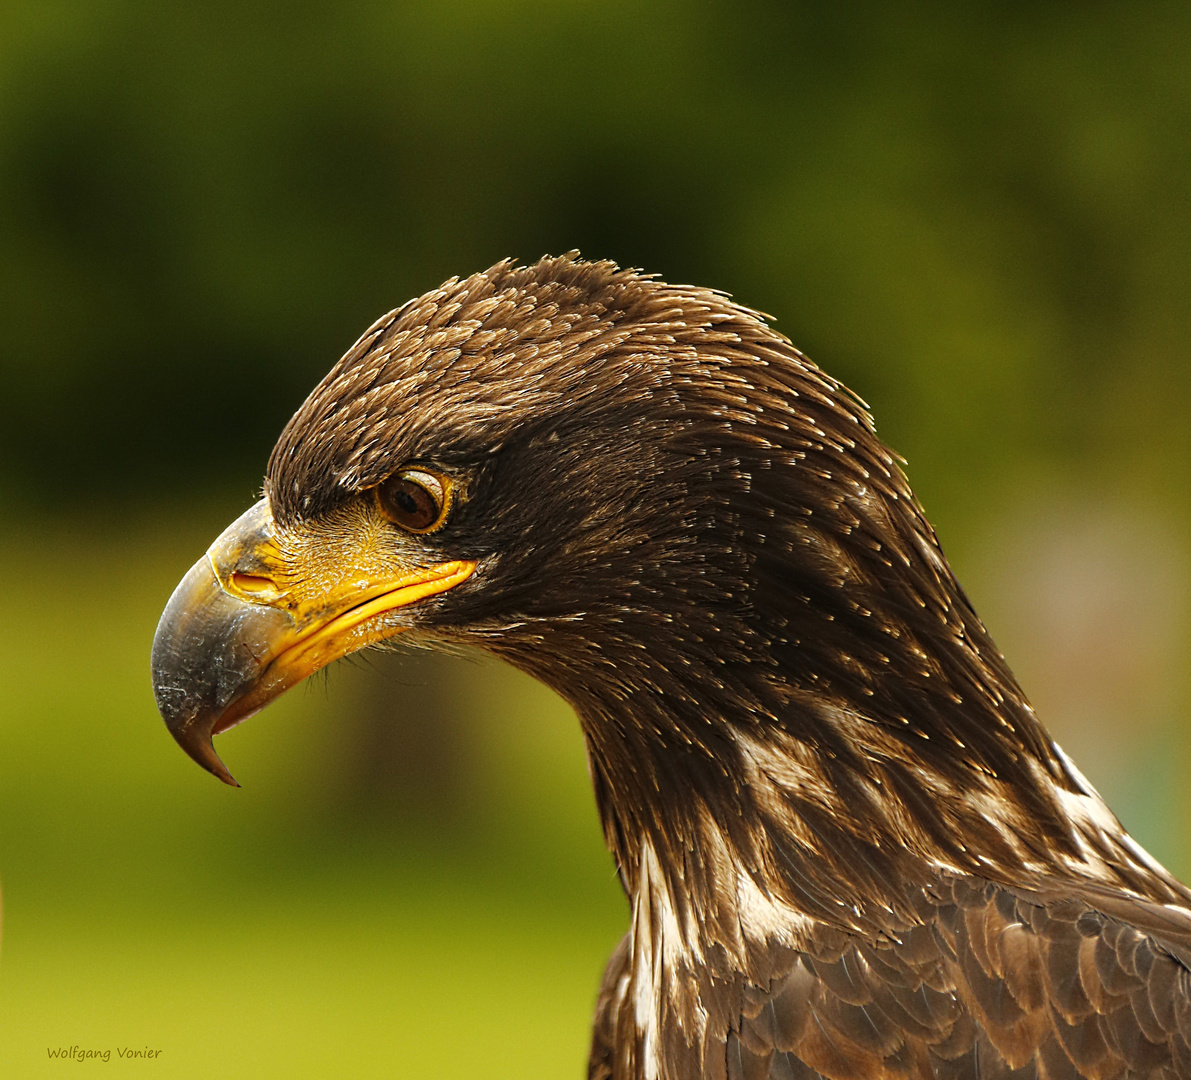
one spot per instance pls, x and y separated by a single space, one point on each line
979 216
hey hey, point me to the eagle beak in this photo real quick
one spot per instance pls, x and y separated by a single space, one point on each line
248 621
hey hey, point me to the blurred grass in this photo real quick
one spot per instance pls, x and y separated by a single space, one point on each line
293 984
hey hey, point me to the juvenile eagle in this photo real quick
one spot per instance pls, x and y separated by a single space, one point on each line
850 848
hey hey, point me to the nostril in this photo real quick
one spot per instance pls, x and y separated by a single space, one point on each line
253 584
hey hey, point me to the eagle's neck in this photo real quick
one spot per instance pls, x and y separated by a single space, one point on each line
751 805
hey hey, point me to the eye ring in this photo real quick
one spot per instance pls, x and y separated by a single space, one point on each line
415 499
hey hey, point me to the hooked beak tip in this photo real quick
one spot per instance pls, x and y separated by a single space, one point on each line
202 750
196 740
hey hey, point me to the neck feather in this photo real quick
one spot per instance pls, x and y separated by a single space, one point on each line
805 807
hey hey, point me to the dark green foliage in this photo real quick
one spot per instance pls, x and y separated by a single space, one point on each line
977 218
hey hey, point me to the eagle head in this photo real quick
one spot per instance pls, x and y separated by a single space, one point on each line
646 497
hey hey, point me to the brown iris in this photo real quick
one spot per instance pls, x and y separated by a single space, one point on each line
415 499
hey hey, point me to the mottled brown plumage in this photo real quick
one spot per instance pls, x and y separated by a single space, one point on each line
850 848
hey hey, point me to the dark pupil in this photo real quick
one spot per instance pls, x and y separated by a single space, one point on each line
412 504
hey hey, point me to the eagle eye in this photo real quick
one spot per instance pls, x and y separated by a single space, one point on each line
415 499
